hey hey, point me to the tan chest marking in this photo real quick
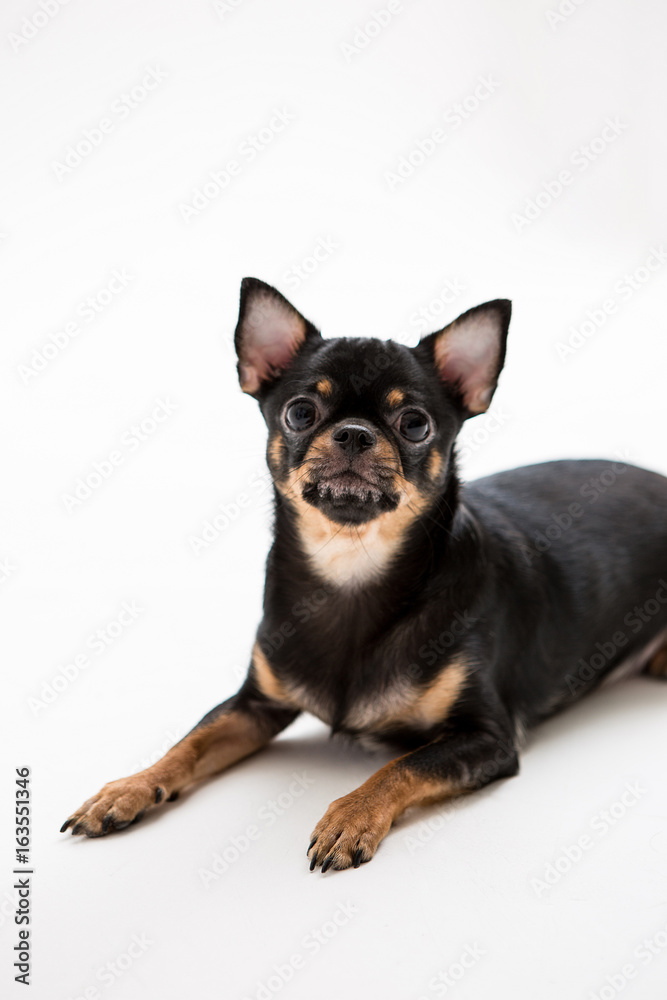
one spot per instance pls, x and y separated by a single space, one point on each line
291 695
404 705
266 680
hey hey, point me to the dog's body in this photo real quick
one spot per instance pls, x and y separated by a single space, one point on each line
401 607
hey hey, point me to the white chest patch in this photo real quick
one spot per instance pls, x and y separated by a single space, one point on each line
356 554
350 555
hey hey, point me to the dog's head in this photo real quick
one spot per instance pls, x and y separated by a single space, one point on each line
359 427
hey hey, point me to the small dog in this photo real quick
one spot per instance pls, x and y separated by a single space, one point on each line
400 606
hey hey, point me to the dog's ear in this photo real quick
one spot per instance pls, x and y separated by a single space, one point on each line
468 355
270 331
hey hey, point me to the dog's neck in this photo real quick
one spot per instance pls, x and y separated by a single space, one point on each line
354 557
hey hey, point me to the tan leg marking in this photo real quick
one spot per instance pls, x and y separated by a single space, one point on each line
657 665
267 682
353 826
200 754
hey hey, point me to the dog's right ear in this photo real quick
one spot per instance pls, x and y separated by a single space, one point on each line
269 333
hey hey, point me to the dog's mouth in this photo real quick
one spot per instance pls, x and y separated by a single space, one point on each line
349 498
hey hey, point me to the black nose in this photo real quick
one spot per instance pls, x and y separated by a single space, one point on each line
354 438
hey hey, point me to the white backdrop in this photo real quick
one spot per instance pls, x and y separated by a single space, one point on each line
387 166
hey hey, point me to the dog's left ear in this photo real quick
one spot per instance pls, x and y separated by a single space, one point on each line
468 355
269 333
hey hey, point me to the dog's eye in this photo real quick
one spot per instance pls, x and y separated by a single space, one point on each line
301 415
414 426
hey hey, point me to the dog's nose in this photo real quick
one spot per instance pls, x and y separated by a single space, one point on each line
354 438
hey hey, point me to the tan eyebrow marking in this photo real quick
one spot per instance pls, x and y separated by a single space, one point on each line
324 387
395 397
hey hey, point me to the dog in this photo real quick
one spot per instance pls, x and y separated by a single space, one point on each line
402 607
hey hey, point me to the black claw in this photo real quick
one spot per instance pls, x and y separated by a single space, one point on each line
122 824
328 861
313 862
79 828
106 823
159 795
357 857
173 797
310 845
67 823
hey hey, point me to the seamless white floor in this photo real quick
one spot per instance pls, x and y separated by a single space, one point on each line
386 166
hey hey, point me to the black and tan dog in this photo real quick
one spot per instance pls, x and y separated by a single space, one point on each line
402 606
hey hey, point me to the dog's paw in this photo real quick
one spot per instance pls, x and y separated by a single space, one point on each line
117 805
349 833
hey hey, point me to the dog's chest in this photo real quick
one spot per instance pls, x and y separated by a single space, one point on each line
374 710
391 704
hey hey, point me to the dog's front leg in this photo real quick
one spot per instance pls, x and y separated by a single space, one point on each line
353 826
232 731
